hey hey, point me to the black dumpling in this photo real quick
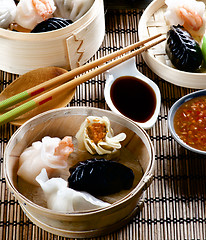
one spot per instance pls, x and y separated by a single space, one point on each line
183 51
100 177
51 24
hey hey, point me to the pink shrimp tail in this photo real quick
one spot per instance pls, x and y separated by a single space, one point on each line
65 147
191 18
43 8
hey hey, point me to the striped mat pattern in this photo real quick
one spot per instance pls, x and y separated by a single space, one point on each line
175 203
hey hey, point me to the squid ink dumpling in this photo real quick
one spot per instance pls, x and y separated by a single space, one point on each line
183 51
100 177
51 24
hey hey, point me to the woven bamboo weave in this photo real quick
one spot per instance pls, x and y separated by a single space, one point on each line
175 202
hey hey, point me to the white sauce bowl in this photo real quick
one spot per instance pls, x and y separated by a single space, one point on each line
128 68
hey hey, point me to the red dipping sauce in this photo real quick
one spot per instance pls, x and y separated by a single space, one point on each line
190 122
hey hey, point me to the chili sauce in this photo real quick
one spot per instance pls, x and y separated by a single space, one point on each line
190 122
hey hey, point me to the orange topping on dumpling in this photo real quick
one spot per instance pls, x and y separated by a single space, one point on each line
97 132
65 147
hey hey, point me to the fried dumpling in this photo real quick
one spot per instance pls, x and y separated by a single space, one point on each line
96 135
63 199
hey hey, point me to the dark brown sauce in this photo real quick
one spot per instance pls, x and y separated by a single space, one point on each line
133 98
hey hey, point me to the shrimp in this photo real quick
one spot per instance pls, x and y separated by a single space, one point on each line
31 12
191 18
43 8
188 13
65 147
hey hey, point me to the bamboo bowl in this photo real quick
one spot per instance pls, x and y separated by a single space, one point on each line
151 23
67 47
124 205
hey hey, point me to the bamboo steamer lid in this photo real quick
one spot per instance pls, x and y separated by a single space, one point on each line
68 47
124 205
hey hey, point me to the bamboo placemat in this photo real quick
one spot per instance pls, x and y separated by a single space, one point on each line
175 203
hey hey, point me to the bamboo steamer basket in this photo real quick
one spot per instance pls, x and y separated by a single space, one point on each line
152 22
68 47
125 205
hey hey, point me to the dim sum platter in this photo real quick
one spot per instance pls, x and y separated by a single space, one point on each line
153 22
138 154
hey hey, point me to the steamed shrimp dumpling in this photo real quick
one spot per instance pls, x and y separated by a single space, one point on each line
63 199
188 13
31 12
96 135
72 9
7 12
50 153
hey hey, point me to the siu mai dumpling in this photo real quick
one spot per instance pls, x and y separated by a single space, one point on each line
50 153
63 199
96 135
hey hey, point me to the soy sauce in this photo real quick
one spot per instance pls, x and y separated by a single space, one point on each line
133 98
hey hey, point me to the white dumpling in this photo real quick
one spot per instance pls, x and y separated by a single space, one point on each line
7 12
188 13
72 9
31 12
63 199
50 153
96 135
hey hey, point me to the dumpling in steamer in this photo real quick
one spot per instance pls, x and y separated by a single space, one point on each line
188 13
51 24
100 177
31 12
96 135
72 9
63 199
50 153
7 12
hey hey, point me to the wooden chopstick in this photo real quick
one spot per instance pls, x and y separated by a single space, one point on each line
8 116
67 76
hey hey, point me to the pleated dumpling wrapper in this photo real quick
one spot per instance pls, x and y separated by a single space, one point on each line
188 13
72 9
97 136
31 12
7 12
50 153
64 199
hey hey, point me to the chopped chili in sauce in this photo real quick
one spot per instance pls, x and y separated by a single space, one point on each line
97 132
190 123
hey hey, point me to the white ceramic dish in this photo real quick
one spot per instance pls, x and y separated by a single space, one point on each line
124 205
128 68
171 115
152 22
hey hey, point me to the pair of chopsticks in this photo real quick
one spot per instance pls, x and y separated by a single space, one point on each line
62 81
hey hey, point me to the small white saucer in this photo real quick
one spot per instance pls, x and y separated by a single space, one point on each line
128 68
